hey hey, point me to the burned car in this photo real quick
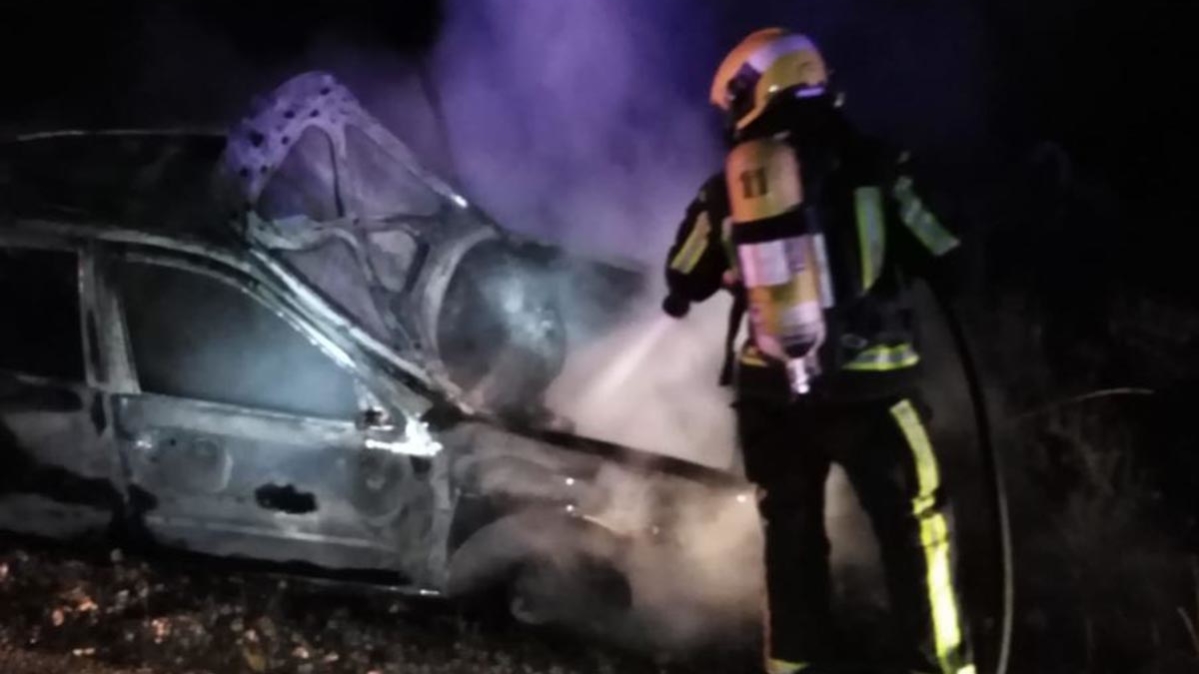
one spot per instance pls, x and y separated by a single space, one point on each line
247 348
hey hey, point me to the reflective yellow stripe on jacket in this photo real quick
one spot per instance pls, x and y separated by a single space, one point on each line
921 221
872 235
875 359
693 248
884 358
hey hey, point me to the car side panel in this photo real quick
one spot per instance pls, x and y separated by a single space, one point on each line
229 481
57 476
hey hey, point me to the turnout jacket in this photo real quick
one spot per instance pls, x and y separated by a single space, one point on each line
879 232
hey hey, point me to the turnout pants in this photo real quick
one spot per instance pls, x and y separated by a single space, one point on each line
885 452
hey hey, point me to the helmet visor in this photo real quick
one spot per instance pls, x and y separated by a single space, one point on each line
741 92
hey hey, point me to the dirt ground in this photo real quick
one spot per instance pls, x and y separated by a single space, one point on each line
106 613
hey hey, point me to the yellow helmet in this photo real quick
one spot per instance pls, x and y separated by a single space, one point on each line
765 64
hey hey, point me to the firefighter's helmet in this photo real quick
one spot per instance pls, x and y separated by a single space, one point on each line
769 63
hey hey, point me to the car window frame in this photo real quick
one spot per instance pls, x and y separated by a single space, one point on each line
93 356
402 381
220 271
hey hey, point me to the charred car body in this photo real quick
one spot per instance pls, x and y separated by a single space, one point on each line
346 377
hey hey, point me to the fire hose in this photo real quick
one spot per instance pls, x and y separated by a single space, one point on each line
993 467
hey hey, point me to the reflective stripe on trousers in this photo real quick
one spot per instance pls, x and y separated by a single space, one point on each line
774 666
934 538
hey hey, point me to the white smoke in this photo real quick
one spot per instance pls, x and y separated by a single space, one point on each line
567 122
652 384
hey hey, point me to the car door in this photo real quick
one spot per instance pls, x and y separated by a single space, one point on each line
244 438
59 474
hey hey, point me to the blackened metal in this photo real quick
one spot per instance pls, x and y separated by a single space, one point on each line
442 416
20 473
93 348
285 498
18 396
634 458
420 466
142 501
99 417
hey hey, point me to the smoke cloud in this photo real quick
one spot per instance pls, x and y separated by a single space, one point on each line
569 123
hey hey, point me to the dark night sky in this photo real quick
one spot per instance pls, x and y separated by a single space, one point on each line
1110 83
1097 72
1110 80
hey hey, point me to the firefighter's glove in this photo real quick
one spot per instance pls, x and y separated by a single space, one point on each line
675 306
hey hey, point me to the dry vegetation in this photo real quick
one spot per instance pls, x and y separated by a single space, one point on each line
63 612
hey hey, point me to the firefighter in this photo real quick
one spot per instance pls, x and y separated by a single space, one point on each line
816 229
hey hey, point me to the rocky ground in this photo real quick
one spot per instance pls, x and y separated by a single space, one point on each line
108 613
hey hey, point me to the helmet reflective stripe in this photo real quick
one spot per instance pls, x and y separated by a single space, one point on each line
765 56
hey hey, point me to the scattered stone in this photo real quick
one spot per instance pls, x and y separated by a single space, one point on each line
254 657
161 628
